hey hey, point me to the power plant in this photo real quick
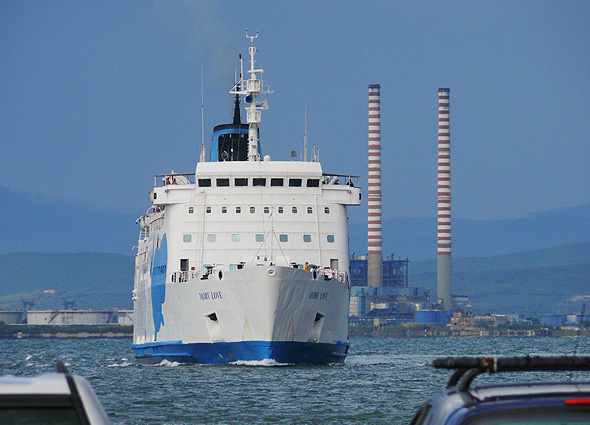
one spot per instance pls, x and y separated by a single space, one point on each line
380 289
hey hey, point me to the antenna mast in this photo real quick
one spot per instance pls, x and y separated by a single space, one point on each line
305 138
202 159
251 88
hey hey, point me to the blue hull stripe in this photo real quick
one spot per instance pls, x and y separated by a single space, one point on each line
228 352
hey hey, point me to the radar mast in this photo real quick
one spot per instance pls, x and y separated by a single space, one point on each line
251 89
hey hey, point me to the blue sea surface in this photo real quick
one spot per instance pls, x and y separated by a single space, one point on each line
383 381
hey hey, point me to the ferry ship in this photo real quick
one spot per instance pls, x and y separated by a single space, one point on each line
247 258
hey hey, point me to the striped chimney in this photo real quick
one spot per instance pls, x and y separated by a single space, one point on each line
444 201
374 242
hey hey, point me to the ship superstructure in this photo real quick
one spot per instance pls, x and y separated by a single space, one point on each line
247 258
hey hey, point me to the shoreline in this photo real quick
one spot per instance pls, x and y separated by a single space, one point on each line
357 331
71 331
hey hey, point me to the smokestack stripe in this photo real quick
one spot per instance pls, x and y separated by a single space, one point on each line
374 222
444 173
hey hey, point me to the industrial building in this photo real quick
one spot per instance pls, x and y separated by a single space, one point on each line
67 317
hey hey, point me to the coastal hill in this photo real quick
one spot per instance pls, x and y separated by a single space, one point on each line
541 281
549 280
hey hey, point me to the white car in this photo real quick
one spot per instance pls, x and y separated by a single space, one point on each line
52 398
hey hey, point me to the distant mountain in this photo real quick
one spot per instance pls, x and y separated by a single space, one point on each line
44 224
415 238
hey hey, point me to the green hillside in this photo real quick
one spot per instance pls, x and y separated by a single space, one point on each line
543 281
88 280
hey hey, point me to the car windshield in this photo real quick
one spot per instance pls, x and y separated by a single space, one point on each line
533 417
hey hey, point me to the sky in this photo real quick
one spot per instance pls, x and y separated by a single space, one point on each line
97 97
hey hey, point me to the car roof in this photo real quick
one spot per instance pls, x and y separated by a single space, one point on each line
49 383
53 389
484 393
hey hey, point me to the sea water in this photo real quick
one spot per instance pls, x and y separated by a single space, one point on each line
383 381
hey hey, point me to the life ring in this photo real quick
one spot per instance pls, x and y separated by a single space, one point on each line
220 274
271 272
314 273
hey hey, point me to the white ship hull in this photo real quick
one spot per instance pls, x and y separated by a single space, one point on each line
281 313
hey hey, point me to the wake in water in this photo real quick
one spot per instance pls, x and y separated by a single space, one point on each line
264 363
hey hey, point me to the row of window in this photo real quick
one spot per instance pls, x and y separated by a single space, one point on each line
266 210
258 181
236 237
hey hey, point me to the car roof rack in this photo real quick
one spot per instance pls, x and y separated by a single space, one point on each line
467 368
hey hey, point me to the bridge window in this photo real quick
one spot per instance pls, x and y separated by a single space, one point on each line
294 182
233 266
330 238
313 182
258 181
259 238
306 238
283 238
222 182
235 238
204 182
211 237
241 181
276 182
